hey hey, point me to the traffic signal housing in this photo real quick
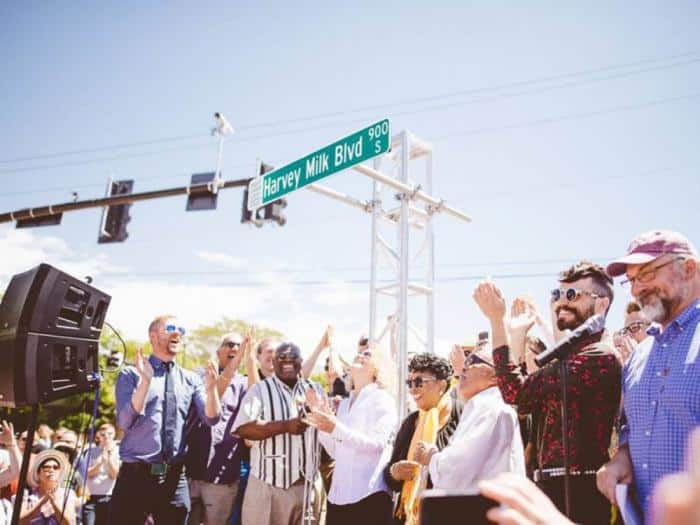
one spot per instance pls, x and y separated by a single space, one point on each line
115 218
272 211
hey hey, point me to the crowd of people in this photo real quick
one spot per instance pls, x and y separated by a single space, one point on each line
252 439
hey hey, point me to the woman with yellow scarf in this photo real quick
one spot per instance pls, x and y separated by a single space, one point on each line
434 422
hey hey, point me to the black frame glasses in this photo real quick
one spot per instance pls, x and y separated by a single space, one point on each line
571 294
648 275
634 327
418 382
476 360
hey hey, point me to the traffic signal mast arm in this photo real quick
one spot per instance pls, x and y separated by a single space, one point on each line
47 211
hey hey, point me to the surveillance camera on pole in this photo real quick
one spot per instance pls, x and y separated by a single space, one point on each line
222 130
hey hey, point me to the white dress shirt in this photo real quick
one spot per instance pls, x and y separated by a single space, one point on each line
486 443
362 432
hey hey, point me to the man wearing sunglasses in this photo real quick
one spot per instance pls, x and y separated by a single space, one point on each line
633 332
661 381
214 454
283 447
154 397
593 390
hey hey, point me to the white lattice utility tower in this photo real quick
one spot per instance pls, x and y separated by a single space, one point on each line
402 208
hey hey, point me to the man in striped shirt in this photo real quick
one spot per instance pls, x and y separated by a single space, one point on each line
284 451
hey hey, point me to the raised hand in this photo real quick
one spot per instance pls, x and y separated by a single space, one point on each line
457 359
522 318
327 338
7 434
143 366
490 300
211 376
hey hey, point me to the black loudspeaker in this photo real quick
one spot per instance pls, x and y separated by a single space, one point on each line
50 325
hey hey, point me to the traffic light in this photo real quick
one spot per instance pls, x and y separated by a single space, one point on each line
273 211
48 220
247 215
115 218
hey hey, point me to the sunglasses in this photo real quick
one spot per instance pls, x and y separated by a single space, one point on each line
633 327
476 360
232 344
418 382
171 328
571 294
50 466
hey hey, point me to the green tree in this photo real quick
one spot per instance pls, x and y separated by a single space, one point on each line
204 340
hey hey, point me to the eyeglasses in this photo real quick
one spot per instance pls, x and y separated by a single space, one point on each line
647 275
476 360
571 294
365 353
232 344
633 327
171 328
50 466
418 382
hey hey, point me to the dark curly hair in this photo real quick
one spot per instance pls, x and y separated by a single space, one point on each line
427 362
602 282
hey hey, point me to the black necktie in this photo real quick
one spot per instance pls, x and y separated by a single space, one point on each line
169 415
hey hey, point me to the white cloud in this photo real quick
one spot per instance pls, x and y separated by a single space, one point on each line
24 249
300 312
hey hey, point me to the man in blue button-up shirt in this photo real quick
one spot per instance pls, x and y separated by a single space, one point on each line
151 479
661 381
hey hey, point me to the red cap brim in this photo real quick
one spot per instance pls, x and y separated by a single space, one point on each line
619 266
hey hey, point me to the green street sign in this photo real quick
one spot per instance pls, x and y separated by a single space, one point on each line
341 155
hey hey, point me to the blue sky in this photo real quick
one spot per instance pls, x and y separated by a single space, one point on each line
563 131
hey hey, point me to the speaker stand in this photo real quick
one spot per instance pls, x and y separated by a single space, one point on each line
19 498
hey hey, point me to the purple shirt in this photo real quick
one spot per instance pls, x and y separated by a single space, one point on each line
214 454
142 431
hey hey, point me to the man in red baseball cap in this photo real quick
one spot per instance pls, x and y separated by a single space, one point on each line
660 382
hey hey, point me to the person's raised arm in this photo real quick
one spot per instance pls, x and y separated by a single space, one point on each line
490 301
310 362
7 438
522 318
131 391
250 363
213 404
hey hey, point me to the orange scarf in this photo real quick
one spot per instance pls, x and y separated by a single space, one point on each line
427 427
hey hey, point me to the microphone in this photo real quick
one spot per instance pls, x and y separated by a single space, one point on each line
563 348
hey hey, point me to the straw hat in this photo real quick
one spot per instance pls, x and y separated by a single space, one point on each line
40 458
